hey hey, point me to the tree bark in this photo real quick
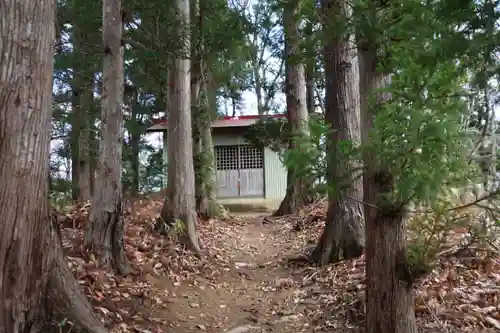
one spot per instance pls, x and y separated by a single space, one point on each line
134 143
258 88
38 290
203 148
82 98
388 281
84 168
196 108
76 125
179 209
104 232
311 102
310 71
342 237
296 101
135 139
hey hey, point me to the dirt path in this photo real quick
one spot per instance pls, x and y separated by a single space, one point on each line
242 284
251 296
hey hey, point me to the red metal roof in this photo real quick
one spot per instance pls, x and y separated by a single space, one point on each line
238 121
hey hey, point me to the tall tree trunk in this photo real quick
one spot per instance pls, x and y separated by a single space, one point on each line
77 88
93 137
208 205
343 234
211 91
296 101
134 145
82 84
204 162
84 169
165 167
104 233
196 107
386 265
212 207
258 90
163 103
203 148
38 290
310 71
93 154
76 125
180 208
233 105
135 138
80 145
311 103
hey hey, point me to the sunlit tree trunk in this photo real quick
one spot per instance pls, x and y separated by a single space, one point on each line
296 101
343 236
38 291
179 209
104 232
387 277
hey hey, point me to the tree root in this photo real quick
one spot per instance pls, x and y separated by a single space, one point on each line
216 210
289 204
66 305
186 234
342 238
210 208
295 198
105 239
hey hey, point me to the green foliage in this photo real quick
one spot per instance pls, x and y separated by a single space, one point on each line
175 229
441 54
415 263
60 194
307 159
203 166
418 133
152 172
271 133
419 257
419 137
179 228
150 41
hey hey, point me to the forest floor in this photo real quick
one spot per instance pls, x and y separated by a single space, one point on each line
250 280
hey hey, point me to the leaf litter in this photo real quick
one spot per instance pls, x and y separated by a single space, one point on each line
245 278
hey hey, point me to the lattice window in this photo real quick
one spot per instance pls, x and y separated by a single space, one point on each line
251 158
226 157
239 157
